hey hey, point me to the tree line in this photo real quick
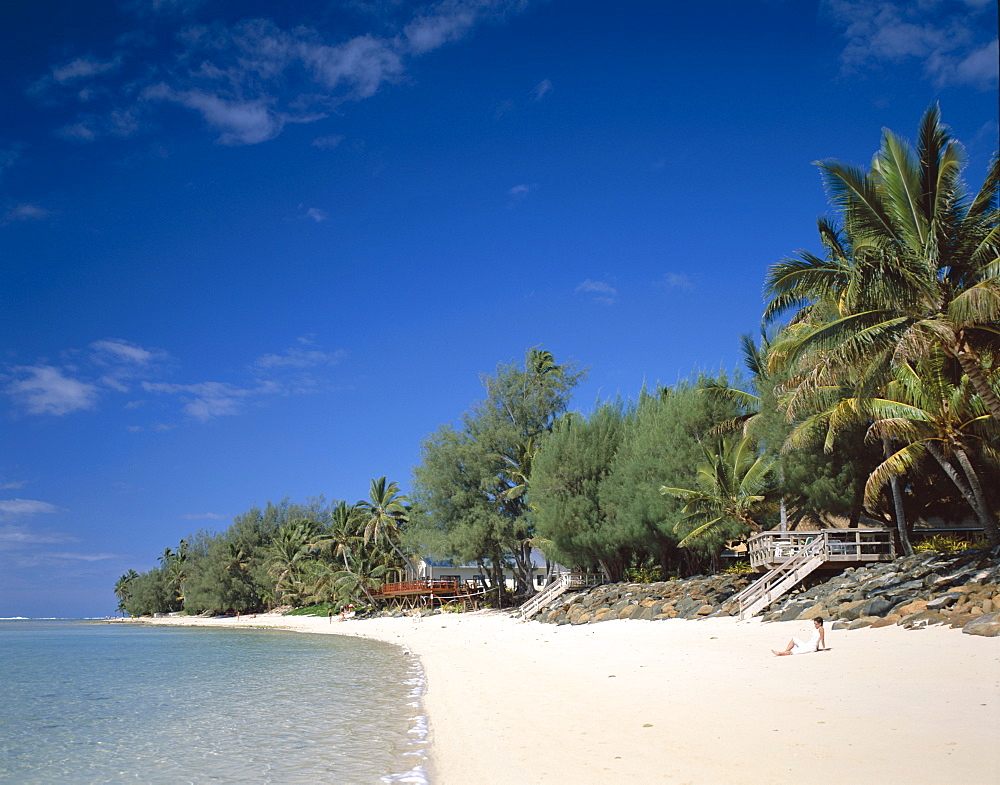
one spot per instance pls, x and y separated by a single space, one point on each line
870 391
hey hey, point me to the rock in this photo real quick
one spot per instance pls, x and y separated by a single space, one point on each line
943 601
812 611
857 624
987 625
850 610
704 610
922 619
600 615
911 607
877 607
886 621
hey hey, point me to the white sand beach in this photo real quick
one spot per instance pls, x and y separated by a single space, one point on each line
692 701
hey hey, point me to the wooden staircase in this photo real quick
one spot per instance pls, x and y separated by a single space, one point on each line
774 584
545 596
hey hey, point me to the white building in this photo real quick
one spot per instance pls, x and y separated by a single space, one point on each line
471 575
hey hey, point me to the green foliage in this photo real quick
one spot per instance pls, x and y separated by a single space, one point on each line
470 499
949 543
734 491
566 478
661 444
644 574
739 567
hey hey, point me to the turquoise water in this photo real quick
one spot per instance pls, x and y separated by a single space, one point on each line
88 702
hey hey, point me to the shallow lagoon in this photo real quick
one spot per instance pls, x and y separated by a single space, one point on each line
95 702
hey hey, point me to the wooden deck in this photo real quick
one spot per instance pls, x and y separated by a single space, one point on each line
428 592
841 547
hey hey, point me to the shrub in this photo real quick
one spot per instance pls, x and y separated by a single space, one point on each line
739 567
948 543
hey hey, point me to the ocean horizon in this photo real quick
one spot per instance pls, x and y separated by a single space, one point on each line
89 701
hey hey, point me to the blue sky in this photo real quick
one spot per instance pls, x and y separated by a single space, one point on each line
252 252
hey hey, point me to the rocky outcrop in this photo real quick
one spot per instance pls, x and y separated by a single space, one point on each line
688 599
962 590
928 588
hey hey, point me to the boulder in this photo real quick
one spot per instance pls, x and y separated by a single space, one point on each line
886 621
850 611
987 625
922 619
877 607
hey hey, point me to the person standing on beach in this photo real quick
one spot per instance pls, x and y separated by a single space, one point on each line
816 643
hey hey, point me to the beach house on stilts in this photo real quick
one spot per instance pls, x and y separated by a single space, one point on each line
789 557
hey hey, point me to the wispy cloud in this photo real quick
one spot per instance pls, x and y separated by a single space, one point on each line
317 215
676 281
522 190
21 535
44 389
952 40
204 516
207 400
300 357
116 365
18 509
25 212
327 142
599 291
543 88
249 79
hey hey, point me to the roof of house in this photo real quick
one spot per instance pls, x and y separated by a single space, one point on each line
537 562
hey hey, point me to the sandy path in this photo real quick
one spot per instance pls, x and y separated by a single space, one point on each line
694 701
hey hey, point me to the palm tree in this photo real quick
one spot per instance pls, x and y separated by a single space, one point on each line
384 512
735 489
123 589
915 269
932 418
345 531
294 544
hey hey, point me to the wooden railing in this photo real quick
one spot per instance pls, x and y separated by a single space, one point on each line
770 548
423 585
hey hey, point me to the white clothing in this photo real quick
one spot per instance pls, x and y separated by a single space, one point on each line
809 646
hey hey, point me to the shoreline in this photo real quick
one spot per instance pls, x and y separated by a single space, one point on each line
687 701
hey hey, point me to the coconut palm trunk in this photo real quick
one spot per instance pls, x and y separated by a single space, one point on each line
897 503
971 491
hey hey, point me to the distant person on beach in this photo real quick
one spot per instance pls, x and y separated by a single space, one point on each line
816 643
329 615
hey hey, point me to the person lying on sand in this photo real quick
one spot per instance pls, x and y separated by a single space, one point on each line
816 643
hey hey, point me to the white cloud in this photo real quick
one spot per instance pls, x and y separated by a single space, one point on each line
238 122
88 557
13 485
602 291
42 389
542 89
436 29
22 535
954 46
522 190
120 350
248 80
676 281
316 214
25 212
13 509
206 400
327 142
600 287
298 358
204 516
83 68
